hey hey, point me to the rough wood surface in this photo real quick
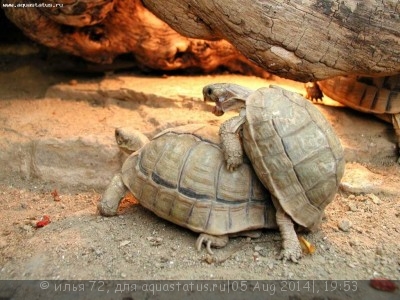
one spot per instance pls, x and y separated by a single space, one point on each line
100 30
304 40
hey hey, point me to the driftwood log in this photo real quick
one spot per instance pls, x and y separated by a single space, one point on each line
101 30
305 40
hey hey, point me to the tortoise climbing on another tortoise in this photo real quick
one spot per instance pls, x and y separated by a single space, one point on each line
378 95
180 176
292 147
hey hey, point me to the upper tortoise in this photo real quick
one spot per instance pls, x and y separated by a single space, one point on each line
292 147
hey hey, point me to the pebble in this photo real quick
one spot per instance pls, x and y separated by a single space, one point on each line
27 227
258 248
123 275
3 243
352 207
353 243
154 241
379 250
374 198
263 252
124 243
344 225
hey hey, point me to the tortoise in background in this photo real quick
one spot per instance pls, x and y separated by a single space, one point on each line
180 176
377 95
292 147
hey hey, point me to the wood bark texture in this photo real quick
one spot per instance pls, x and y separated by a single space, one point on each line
305 40
100 30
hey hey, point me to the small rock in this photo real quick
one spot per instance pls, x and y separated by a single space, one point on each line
263 252
258 248
124 243
123 275
26 227
353 243
208 259
374 198
277 238
352 207
379 251
155 241
3 243
164 259
344 225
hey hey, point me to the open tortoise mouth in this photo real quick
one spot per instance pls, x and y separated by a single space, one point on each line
217 110
209 96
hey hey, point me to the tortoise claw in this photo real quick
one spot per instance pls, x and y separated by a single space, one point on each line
233 162
211 241
293 253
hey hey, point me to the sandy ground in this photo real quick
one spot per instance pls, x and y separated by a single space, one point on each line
357 240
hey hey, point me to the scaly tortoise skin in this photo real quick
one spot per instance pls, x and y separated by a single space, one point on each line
378 95
292 147
180 176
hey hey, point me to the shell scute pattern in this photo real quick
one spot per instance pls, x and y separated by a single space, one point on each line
300 163
373 95
183 179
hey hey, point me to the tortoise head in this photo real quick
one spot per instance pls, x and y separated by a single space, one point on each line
129 140
227 96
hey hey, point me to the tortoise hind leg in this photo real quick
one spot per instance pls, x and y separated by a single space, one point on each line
291 245
112 196
396 125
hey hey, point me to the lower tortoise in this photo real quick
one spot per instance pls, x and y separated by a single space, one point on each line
180 176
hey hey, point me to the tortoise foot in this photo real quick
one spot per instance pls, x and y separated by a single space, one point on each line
291 252
313 92
112 196
233 162
211 241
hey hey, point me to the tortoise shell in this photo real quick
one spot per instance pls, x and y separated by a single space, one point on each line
294 151
377 95
182 178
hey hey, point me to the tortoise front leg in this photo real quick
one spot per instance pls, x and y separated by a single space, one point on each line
396 125
112 196
230 142
291 245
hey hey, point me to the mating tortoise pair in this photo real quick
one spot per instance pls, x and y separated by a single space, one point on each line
181 176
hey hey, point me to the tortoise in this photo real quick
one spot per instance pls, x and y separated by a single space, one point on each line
377 95
292 147
180 176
